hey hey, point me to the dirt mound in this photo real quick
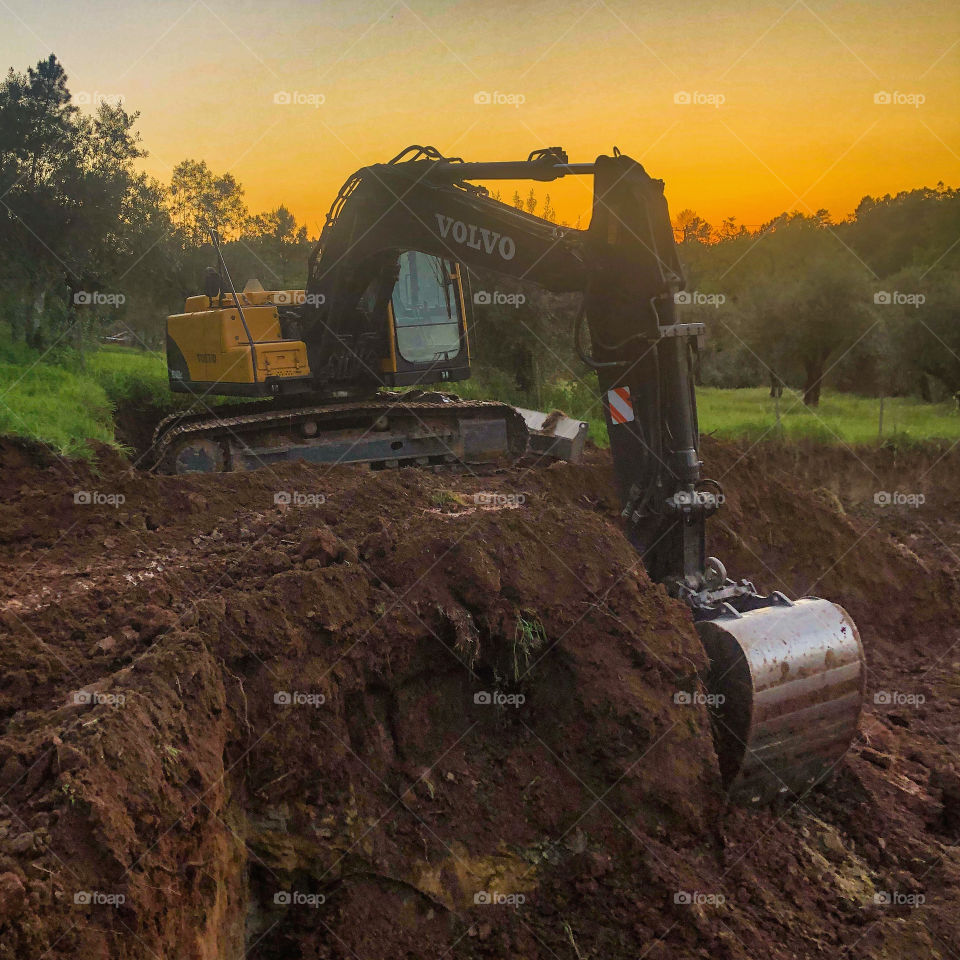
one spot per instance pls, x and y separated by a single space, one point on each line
331 713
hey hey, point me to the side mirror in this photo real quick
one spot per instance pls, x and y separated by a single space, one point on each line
212 284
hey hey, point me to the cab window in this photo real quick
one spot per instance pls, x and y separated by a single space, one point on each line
426 308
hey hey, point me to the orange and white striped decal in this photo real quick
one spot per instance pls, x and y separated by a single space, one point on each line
621 406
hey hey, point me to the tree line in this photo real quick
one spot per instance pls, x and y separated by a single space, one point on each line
90 244
869 304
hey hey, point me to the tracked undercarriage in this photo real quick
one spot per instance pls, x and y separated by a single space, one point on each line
381 433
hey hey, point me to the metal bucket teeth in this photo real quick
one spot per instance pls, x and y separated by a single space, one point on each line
788 681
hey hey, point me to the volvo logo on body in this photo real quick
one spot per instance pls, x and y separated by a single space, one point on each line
478 238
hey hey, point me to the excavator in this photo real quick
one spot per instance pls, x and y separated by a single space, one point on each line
384 307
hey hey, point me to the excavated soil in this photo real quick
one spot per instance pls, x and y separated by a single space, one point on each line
329 713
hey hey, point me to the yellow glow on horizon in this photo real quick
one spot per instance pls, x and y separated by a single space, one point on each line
798 127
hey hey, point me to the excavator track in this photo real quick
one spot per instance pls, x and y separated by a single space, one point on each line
381 433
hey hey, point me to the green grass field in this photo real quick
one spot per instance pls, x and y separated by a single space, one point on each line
65 399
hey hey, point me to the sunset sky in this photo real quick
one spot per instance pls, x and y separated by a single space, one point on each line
787 117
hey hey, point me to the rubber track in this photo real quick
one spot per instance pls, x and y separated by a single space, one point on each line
244 420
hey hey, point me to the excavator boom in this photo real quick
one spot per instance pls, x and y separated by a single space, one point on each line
383 306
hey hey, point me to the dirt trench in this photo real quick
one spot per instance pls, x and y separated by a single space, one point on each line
408 714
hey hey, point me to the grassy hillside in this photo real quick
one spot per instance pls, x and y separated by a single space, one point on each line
63 399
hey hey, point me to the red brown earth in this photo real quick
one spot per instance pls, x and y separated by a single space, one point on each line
156 800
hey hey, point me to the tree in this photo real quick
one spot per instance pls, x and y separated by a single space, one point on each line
201 201
531 202
549 213
924 318
72 203
814 299
690 228
277 244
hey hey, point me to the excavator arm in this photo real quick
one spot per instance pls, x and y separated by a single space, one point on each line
787 677
383 306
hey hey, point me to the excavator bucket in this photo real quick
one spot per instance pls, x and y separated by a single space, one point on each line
787 679
555 435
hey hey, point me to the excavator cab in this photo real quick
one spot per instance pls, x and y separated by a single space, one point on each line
407 327
427 322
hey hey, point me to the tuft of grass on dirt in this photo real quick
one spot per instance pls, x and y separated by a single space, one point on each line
528 637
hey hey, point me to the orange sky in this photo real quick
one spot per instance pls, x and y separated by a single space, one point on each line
798 126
